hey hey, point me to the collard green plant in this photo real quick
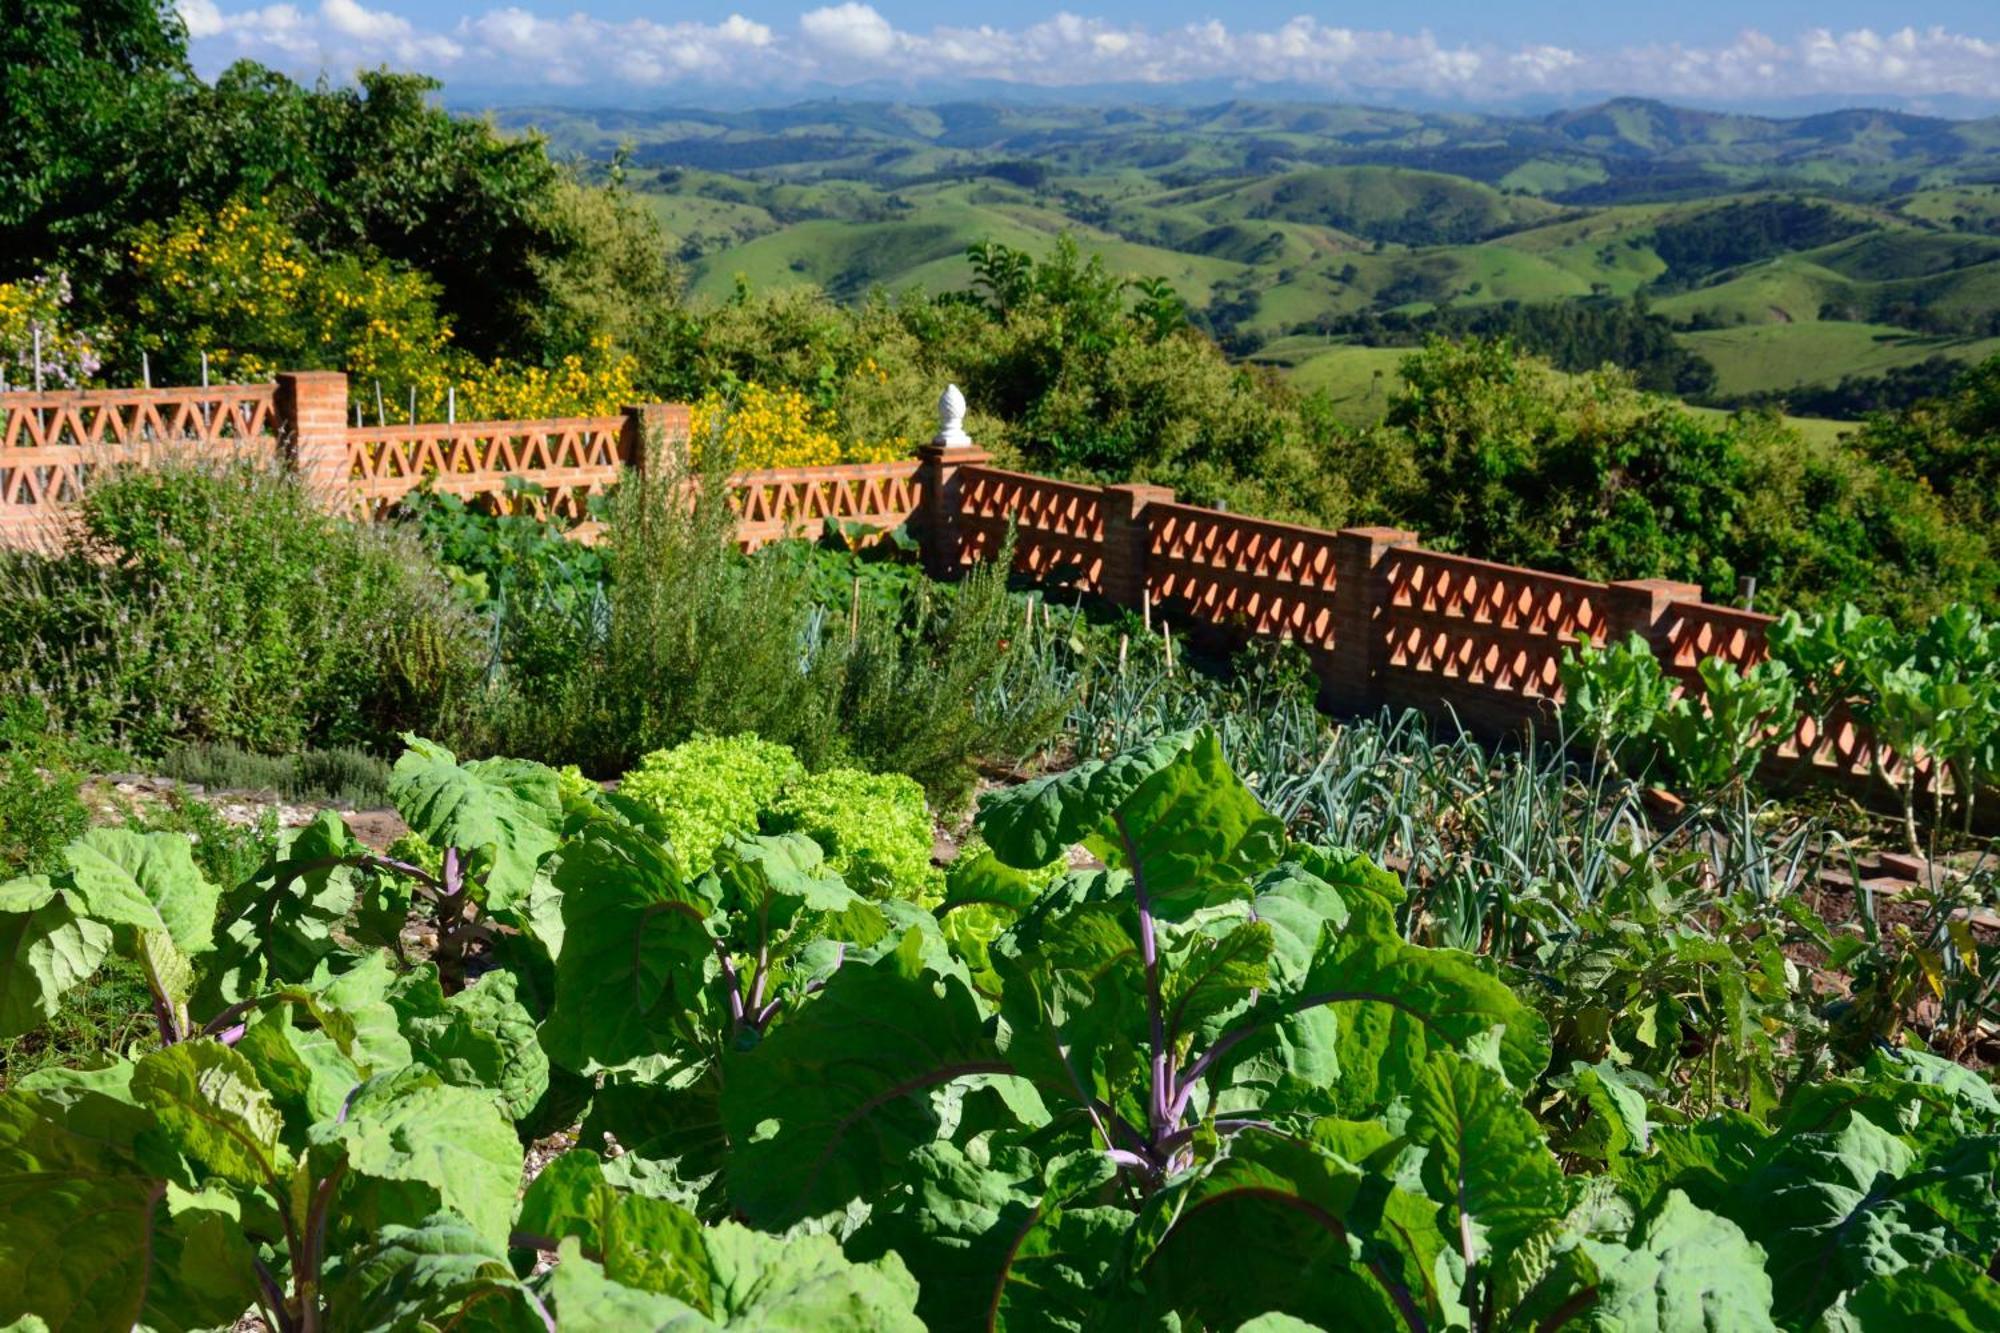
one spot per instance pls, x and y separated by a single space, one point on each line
1614 697
1930 696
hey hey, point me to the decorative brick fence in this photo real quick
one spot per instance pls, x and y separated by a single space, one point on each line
1385 621
52 443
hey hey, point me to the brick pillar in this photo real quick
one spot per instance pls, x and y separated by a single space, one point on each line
941 485
1353 673
1126 540
941 482
309 414
1641 606
664 423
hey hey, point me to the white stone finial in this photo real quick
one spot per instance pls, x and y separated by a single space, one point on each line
951 417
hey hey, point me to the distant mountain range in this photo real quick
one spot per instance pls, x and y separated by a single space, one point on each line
1628 149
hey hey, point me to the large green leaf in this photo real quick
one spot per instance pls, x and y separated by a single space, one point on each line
1950 1296
278 924
1832 1209
440 1274
1210 976
408 1128
481 1037
662 1270
634 975
1502 1191
1279 1224
781 884
1192 834
506 812
210 1104
92 1234
147 881
1708 1161
1073 990
46 949
670 1127
304 1068
954 1221
1392 1004
1685 1270
832 1103
1037 822
1063 1270
803 1282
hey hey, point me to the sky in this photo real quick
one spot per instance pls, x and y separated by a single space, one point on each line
1940 55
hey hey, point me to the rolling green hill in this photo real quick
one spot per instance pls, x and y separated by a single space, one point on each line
1787 253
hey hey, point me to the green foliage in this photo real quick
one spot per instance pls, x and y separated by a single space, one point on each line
1932 690
875 828
710 789
1614 696
1740 233
1153 1091
1716 736
1513 463
84 83
225 606
39 806
345 775
843 657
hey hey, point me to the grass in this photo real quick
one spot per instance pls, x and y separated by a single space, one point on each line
1359 380
1756 357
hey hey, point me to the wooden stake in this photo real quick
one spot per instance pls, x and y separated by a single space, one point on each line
1167 638
381 412
1146 601
146 370
1122 640
854 613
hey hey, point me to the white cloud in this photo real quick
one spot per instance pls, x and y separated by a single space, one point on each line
851 42
852 31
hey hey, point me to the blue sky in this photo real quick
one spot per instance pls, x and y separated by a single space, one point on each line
1932 54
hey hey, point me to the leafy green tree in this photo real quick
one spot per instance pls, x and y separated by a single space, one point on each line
85 89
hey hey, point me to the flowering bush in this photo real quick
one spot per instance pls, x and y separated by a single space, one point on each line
592 385
241 286
69 355
760 427
764 428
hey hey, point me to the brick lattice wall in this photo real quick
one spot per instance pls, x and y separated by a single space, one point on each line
1384 620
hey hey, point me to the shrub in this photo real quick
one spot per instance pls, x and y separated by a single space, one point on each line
344 775
931 693
874 828
710 788
222 605
689 639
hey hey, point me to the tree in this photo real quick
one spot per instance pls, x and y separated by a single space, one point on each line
82 84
